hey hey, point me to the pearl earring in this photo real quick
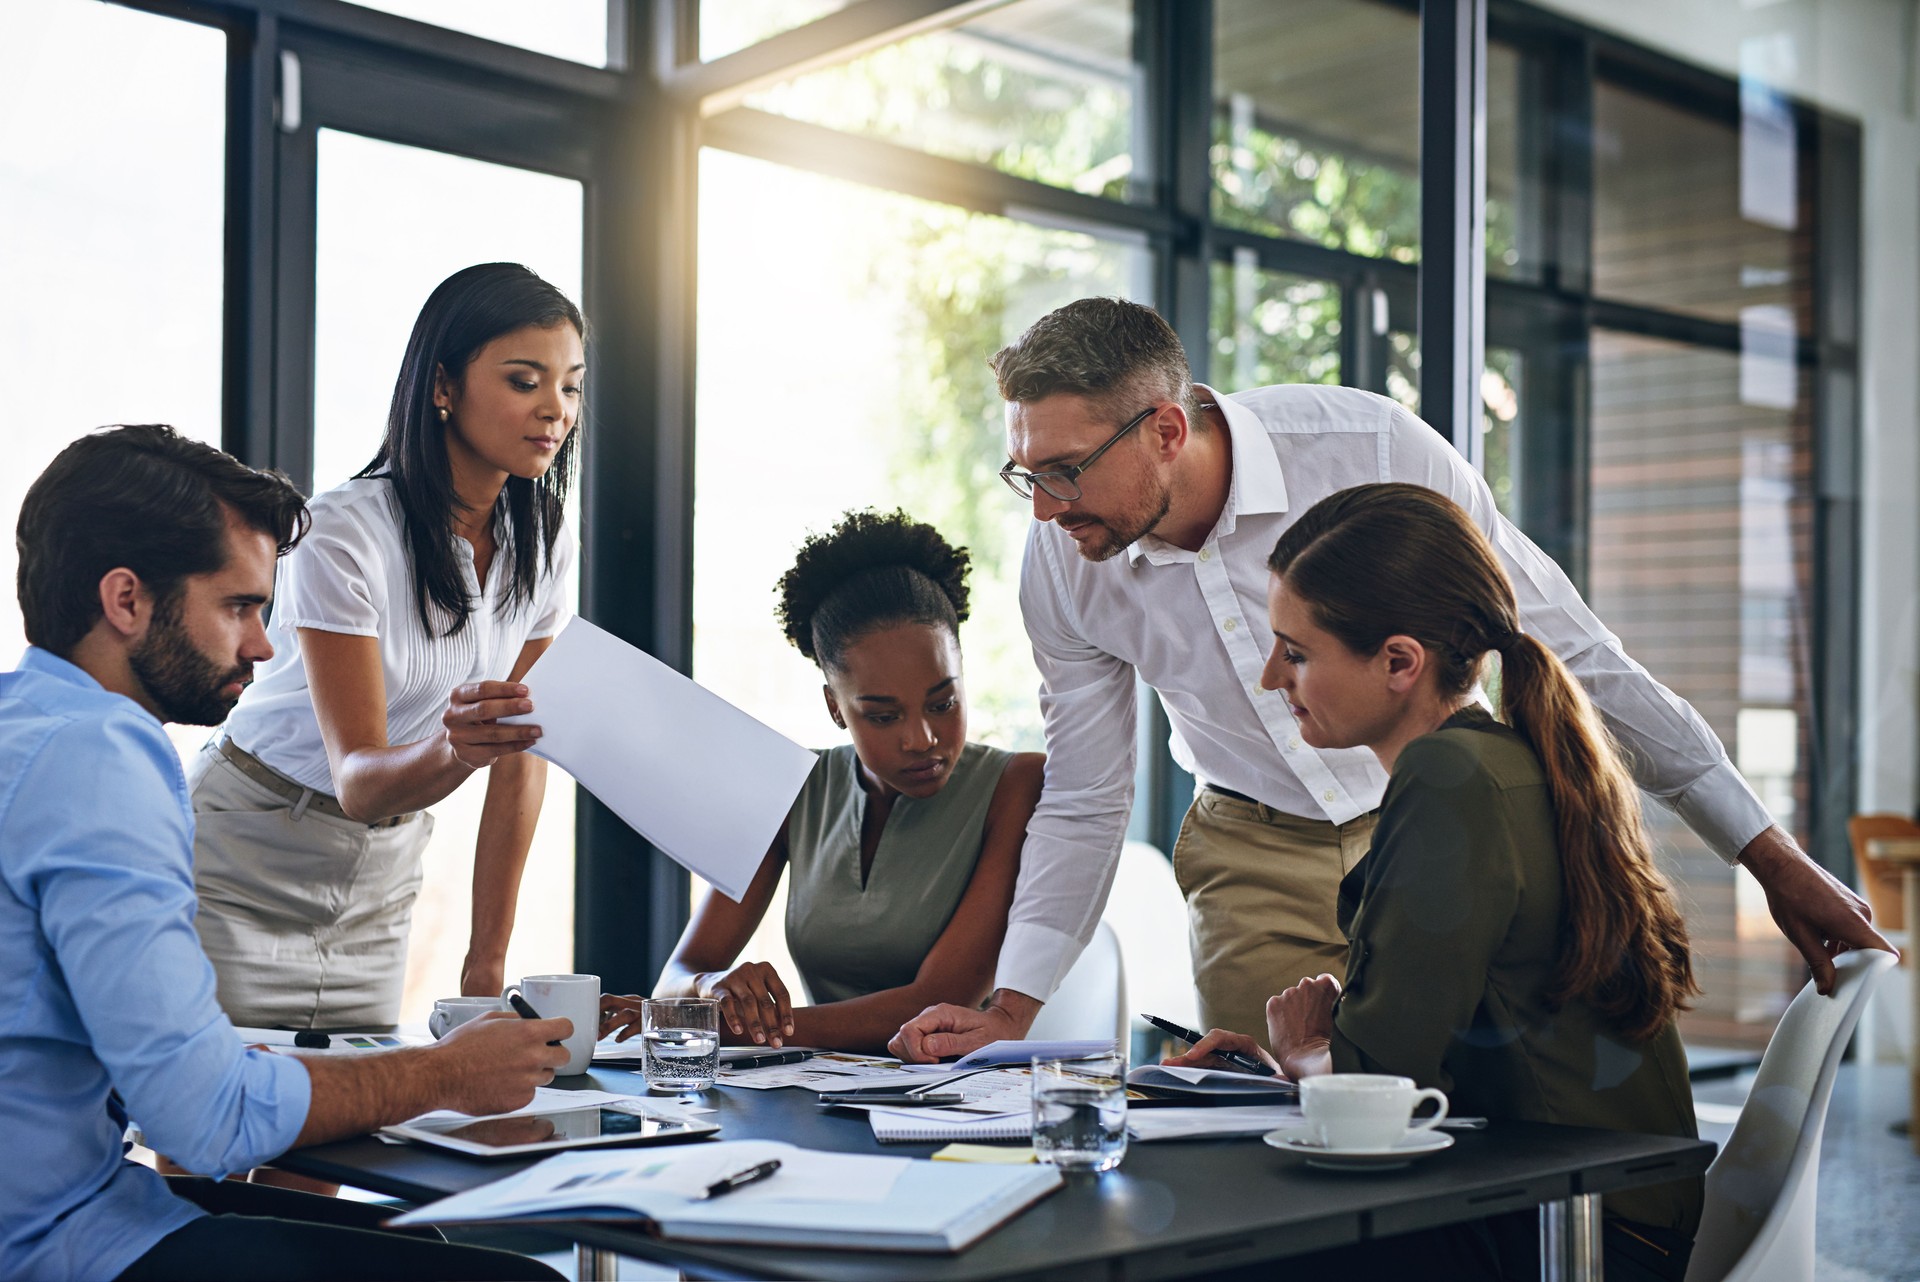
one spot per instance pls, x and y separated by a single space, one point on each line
443 413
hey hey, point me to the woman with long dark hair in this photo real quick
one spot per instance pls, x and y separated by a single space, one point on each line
902 850
404 623
1511 941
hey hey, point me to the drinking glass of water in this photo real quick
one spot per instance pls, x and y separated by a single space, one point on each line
680 1041
1080 1112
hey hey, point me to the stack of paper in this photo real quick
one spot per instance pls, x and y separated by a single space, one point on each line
1149 1124
1211 1085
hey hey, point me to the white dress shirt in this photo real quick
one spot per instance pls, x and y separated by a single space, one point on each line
1194 626
351 574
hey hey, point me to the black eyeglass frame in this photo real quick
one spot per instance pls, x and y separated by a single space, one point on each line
1068 477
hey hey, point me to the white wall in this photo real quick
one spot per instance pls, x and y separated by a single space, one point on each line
1858 58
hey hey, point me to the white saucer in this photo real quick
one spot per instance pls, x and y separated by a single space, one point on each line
1415 1144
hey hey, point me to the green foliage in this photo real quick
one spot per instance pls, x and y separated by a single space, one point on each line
1272 327
1282 186
963 98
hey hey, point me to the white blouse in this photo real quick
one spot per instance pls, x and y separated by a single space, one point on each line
351 574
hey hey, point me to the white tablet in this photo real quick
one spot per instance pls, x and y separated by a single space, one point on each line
602 1126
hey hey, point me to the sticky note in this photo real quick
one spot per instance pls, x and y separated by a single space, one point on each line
992 1154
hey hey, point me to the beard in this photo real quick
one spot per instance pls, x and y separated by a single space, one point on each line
1117 534
182 682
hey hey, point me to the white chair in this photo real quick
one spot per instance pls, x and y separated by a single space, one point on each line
1758 1222
1091 1001
1149 914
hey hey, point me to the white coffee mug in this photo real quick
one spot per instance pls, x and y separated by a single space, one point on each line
451 1012
574 997
1365 1110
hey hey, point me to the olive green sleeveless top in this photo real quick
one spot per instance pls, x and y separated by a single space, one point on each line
850 939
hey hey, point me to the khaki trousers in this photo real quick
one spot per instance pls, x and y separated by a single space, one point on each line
1261 889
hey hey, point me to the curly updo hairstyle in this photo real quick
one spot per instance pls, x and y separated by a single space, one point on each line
870 571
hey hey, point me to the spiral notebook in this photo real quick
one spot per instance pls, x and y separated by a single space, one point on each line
907 1128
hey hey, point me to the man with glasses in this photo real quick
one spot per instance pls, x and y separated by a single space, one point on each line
1156 503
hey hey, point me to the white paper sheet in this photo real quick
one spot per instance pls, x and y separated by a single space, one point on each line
687 770
832 1071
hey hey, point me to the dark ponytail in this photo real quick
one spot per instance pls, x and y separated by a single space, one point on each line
871 571
1383 560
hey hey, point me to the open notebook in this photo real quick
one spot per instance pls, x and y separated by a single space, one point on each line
814 1199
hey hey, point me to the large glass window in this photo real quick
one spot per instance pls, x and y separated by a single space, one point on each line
843 351
1316 127
1272 327
1702 542
112 164
376 262
572 29
1694 213
1043 89
1515 147
729 25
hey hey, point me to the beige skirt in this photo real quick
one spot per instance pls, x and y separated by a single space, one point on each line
303 915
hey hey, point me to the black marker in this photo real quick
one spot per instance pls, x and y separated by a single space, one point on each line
1245 1063
752 1175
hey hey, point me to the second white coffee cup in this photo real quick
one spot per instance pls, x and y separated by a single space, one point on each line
574 997
1365 1110
451 1012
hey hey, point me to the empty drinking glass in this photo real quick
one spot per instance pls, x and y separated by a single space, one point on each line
680 1040
1080 1112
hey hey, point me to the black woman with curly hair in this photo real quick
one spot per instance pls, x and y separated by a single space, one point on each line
904 846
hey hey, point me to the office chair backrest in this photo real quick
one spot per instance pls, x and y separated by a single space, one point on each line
1091 1001
1758 1223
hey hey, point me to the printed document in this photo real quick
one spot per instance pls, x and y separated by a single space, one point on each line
687 770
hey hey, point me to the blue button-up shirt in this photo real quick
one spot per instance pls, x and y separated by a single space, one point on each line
107 987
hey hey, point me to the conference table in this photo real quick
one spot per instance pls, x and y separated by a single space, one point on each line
1172 1209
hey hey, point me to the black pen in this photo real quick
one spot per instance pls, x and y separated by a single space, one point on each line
1246 1063
752 1175
768 1060
525 1008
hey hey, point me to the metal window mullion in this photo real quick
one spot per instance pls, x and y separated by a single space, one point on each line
1453 185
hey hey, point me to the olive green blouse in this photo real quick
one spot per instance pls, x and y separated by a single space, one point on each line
851 936
1455 920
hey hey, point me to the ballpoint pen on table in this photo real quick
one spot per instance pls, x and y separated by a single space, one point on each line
752 1175
1246 1063
768 1060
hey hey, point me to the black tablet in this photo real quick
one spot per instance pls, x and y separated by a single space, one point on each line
602 1126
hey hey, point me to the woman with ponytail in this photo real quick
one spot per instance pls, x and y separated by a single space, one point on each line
904 845
1511 940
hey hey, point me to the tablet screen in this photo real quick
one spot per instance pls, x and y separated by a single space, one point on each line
557 1129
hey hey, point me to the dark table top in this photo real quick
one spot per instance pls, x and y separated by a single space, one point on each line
1171 1209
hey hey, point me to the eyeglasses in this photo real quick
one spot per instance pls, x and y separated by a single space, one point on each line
1064 483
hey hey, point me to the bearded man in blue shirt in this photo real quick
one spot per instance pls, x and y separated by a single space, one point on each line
146 563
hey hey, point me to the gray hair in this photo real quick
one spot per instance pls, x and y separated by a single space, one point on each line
1119 354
